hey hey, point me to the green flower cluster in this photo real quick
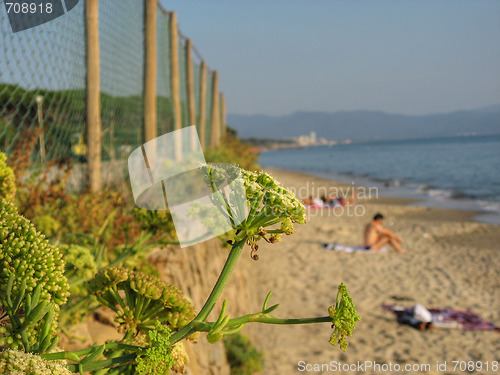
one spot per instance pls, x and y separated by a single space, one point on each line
157 358
157 222
80 262
269 204
7 180
344 318
28 261
278 201
255 202
27 254
13 362
47 225
140 299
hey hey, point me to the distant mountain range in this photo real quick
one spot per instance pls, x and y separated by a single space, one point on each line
367 125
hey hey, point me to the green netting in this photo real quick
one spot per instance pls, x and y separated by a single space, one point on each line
163 80
170 70
121 38
49 63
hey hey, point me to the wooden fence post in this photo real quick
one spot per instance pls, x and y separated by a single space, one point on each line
203 103
176 90
150 69
174 71
93 95
215 125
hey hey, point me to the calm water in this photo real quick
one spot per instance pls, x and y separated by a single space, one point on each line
456 172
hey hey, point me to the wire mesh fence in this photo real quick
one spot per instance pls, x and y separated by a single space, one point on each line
43 83
122 74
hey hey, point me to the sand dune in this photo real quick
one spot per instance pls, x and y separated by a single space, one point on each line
452 262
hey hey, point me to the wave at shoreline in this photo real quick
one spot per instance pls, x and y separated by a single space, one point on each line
426 195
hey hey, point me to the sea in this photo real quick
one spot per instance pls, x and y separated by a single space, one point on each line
461 172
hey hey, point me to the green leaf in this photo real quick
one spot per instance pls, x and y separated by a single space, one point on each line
8 292
36 314
54 342
36 295
19 297
271 309
45 331
94 354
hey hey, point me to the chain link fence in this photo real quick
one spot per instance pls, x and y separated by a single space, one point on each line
43 83
121 48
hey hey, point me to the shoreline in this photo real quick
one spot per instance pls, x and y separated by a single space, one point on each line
451 213
490 235
452 262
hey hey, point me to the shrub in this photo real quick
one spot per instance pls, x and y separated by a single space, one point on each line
242 356
7 179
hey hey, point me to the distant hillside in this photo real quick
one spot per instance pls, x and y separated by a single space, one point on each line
367 125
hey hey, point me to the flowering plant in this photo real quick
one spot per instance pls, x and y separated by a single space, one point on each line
7 179
154 316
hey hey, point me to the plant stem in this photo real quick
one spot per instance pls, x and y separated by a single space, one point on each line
106 363
261 318
79 353
273 320
254 206
221 200
214 296
222 280
266 218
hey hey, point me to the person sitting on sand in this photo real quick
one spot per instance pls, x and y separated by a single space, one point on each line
377 236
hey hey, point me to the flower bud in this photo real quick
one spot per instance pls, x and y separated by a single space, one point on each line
25 253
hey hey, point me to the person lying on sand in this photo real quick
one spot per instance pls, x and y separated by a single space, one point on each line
376 236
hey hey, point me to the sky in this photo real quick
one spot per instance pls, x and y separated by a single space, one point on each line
276 57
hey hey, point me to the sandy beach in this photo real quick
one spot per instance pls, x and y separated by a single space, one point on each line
452 262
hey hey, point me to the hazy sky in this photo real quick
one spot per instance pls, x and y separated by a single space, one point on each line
413 57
